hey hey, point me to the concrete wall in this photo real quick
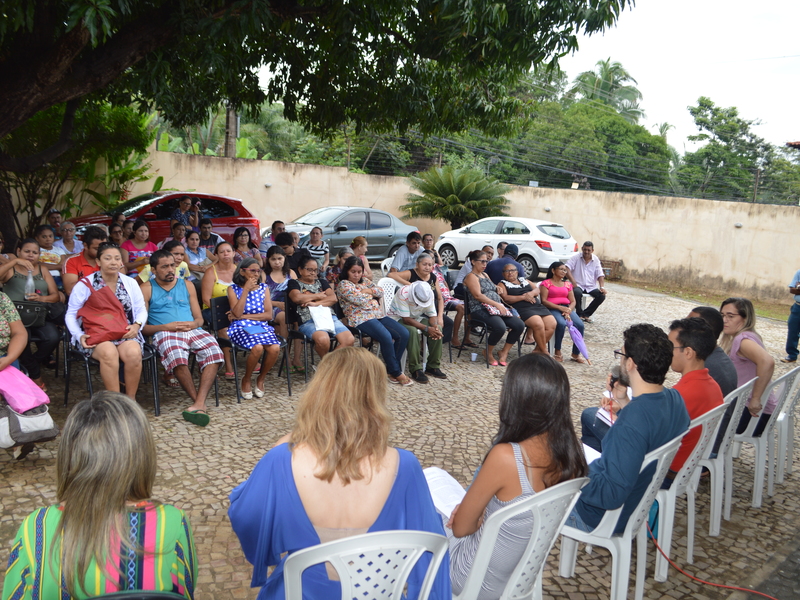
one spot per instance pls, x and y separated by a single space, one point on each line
679 241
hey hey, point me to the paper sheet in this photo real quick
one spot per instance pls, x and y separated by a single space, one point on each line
445 490
590 453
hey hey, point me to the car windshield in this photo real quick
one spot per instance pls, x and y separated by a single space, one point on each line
321 216
133 205
556 231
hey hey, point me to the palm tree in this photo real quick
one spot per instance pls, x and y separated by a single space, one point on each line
458 196
610 84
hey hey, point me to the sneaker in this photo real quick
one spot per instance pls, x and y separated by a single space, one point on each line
788 359
436 373
419 377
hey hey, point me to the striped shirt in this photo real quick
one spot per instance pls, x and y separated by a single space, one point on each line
318 252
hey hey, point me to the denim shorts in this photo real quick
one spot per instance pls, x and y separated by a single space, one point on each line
308 328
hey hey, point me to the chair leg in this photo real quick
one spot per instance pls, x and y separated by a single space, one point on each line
67 372
690 522
789 443
771 457
781 449
288 370
761 464
620 570
728 498
236 376
666 521
569 554
154 377
717 472
216 389
641 564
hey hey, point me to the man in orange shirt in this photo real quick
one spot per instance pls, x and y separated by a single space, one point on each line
84 263
692 341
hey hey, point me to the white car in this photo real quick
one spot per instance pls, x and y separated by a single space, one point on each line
540 243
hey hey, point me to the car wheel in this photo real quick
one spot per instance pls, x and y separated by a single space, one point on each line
530 266
449 256
393 250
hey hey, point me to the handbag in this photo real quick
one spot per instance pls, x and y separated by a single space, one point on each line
32 314
102 315
20 392
32 426
323 318
56 312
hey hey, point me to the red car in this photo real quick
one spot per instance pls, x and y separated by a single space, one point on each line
225 213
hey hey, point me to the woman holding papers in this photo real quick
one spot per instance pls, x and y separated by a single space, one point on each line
535 448
334 476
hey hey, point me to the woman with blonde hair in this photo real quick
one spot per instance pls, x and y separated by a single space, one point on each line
750 358
359 246
333 476
106 534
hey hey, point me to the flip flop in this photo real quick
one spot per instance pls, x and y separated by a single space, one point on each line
297 369
230 375
502 364
171 382
470 345
577 359
197 417
558 358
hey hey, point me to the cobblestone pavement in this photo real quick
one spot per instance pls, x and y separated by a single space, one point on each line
447 424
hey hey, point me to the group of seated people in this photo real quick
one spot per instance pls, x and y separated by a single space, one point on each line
335 474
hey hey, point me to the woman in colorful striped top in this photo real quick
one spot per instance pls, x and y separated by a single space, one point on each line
106 534
318 248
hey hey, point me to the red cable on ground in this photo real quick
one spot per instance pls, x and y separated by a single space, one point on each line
719 585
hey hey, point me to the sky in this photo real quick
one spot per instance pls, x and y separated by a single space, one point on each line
679 50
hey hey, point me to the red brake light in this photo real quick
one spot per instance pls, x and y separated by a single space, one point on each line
575 249
544 245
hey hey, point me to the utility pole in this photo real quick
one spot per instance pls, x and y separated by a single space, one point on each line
755 187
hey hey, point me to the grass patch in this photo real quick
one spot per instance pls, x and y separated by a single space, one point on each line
779 312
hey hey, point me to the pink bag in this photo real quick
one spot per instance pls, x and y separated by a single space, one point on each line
21 393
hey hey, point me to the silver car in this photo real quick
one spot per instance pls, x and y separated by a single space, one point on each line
540 243
385 233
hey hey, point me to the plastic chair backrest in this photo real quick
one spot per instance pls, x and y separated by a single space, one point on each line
663 457
389 287
220 307
386 264
373 565
792 398
550 509
782 386
740 396
709 422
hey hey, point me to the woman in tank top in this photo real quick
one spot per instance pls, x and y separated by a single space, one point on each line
215 285
535 448
557 295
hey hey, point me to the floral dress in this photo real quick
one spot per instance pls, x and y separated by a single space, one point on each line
237 332
358 303
8 314
239 256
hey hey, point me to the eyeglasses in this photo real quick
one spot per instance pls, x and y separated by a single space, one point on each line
256 270
312 270
619 353
510 271
679 348
69 229
484 261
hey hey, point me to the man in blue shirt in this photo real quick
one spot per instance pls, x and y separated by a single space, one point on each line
655 416
174 320
406 257
794 322
494 269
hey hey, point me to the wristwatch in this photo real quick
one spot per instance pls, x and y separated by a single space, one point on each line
139 323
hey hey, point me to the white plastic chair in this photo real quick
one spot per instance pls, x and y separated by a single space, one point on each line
550 509
373 565
785 428
721 468
764 444
709 422
620 545
386 264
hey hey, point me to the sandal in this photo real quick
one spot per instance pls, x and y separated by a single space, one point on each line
230 375
197 417
558 357
577 359
171 382
297 369
469 344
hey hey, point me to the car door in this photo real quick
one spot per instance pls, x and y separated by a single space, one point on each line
381 235
514 232
479 235
350 225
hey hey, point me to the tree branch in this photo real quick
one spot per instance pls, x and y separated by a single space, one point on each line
35 161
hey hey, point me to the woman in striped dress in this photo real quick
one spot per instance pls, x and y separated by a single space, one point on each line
251 307
318 248
107 532
535 448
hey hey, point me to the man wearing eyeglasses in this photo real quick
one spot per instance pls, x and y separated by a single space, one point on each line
655 416
68 243
495 267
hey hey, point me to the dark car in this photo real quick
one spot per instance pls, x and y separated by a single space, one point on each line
385 233
225 213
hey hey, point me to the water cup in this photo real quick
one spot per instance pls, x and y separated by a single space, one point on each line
474 356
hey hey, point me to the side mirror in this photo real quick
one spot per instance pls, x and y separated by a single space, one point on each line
150 216
465 230
341 228
526 231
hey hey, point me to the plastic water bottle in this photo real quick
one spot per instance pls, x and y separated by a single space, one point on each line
30 286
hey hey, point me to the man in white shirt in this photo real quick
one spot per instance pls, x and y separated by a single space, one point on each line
586 275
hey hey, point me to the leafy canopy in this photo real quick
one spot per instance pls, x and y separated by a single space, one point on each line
458 196
436 65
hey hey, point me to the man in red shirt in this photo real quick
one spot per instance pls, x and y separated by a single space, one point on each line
85 263
693 341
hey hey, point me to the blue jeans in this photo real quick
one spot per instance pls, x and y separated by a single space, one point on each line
392 337
794 332
561 327
308 328
593 430
574 520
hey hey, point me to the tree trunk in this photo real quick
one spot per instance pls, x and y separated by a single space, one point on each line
230 133
7 220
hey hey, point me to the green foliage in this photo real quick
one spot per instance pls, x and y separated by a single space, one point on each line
243 149
458 196
115 138
725 167
610 85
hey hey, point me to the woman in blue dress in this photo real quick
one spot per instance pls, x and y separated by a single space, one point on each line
251 299
334 476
